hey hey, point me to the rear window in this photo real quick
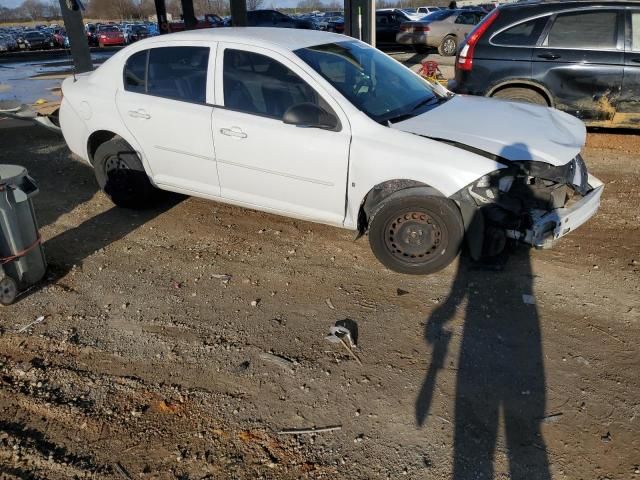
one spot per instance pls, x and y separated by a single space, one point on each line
179 73
596 30
523 34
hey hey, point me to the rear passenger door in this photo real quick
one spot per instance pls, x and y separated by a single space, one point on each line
580 60
265 163
163 103
628 111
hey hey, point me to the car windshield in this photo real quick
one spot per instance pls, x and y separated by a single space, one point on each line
375 83
109 28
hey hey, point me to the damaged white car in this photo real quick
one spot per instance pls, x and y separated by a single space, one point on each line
322 127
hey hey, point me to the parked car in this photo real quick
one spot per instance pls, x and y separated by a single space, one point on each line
34 40
109 35
273 18
137 32
371 146
59 34
427 10
92 36
579 57
443 30
336 25
10 42
388 21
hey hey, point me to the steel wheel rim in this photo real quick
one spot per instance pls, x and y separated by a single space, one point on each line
415 237
449 46
115 163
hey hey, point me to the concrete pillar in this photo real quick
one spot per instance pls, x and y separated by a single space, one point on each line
73 24
238 13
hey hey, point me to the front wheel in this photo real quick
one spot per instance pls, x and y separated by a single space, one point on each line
416 234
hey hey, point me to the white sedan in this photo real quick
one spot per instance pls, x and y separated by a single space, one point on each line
323 127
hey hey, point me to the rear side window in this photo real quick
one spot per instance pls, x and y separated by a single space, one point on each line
135 72
179 73
521 35
258 84
595 30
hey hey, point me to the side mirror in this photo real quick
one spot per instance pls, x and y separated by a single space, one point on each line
310 115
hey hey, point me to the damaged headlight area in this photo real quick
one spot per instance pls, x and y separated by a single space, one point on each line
533 202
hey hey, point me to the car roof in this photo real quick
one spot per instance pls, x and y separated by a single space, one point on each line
283 38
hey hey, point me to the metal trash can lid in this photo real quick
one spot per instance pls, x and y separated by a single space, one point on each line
12 174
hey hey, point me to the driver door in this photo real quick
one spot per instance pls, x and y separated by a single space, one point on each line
265 163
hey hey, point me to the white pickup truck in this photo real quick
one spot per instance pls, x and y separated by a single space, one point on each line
322 127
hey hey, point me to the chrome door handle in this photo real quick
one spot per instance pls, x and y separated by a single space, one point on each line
139 114
233 132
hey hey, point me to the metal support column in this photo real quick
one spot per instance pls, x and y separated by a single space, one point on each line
360 20
72 17
238 13
189 15
161 14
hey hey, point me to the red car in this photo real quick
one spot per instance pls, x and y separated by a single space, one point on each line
109 35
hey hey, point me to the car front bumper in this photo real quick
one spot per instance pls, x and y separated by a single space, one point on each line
550 226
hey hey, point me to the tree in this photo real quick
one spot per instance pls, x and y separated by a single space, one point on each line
35 9
254 4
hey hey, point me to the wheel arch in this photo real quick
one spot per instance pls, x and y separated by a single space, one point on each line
376 195
96 139
523 83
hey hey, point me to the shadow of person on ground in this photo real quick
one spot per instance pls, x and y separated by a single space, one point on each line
500 382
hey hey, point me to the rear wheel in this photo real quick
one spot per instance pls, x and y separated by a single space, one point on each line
120 174
449 46
524 95
416 234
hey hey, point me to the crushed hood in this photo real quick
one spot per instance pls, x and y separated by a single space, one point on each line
515 131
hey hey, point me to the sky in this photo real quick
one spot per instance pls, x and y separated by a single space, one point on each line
10 3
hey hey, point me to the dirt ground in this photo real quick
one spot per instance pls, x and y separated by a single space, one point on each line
150 364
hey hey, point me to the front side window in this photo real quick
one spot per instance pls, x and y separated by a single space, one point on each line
588 30
258 84
523 34
373 82
179 73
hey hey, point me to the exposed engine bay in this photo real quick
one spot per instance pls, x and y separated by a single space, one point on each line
531 202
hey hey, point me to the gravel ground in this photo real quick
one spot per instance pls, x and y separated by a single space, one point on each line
180 343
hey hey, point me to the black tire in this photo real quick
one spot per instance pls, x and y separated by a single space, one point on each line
120 174
406 248
524 95
449 46
420 49
8 290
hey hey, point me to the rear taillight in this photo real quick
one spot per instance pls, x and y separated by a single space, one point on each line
465 59
421 28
